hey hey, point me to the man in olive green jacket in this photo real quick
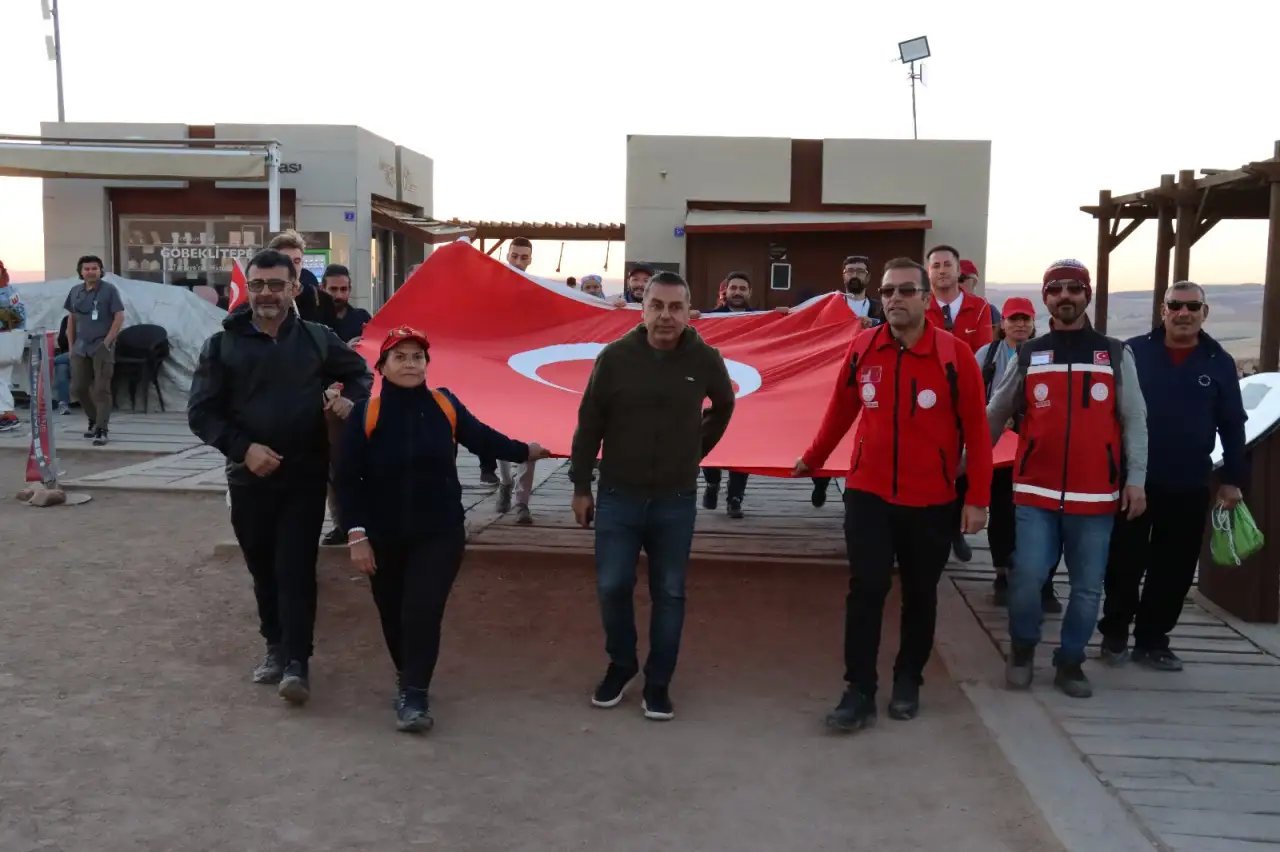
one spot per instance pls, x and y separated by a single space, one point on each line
644 403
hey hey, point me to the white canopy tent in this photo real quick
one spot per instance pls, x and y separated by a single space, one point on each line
145 159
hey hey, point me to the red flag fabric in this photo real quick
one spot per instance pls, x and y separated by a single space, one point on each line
517 352
239 292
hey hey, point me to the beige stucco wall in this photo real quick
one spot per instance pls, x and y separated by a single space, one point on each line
951 178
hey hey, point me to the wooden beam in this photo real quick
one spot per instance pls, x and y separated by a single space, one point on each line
1133 225
496 246
1188 218
1164 242
1102 266
1269 360
1205 226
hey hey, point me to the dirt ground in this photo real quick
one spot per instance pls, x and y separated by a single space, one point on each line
128 721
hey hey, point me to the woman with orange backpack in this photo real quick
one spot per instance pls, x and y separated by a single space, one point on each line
398 489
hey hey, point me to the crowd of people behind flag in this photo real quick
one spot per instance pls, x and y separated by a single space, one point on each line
933 377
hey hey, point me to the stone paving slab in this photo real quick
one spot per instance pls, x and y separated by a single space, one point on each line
130 433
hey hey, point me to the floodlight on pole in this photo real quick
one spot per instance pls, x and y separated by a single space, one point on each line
53 45
910 52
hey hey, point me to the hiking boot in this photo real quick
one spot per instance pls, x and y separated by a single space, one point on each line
523 516
1049 602
614 686
100 438
1115 652
489 477
504 498
854 712
271 669
904 704
960 547
1162 660
92 431
1000 590
710 498
819 496
1071 681
413 716
335 538
733 507
656 703
1020 666
295 687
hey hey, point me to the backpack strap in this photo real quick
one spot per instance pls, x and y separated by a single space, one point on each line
374 408
989 365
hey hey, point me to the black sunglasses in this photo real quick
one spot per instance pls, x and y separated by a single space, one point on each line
1176 305
1055 287
256 285
906 291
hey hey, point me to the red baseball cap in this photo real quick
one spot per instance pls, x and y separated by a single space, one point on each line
1018 305
396 336
968 267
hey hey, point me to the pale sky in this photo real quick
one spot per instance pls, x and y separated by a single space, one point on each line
525 107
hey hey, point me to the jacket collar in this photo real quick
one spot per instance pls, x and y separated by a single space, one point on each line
1210 346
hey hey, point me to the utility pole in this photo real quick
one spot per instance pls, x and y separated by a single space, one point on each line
54 47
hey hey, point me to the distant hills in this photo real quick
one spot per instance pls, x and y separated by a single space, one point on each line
1235 313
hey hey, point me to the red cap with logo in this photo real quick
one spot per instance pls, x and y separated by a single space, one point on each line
396 336
968 267
1018 306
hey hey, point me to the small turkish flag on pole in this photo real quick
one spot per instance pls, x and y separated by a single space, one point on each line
239 287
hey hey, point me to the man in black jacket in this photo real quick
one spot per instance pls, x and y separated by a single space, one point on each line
258 396
737 299
312 303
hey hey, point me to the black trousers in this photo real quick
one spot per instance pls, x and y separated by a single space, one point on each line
1163 545
1000 525
488 465
411 585
957 508
737 481
278 530
876 532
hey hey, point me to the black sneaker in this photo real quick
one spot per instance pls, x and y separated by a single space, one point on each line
905 702
489 477
657 703
1049 602
334 538
271 669
614 686
92 431
1000 590
710 498
854 712
1020 666
960 547
1162 660
295 687
413 716
1071 681
504 498
100 438
1115 652
733 507
819 496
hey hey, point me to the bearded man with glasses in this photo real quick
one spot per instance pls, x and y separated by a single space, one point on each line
1082 456
258 397
1192 393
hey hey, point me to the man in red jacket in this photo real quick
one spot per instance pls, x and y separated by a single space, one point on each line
968 318
922 402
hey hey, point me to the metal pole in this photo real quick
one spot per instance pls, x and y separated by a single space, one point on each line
914 133
273 188
57 50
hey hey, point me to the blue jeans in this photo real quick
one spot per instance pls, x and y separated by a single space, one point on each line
663 527
1042 539
62 378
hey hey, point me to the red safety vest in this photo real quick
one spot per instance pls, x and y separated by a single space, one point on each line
1070 452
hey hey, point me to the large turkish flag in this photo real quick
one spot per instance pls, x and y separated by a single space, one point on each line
517 352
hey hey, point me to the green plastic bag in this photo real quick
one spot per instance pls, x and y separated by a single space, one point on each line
1235 536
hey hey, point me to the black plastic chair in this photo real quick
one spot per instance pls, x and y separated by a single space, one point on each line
140 351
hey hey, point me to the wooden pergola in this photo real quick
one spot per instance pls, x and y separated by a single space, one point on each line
562 231
1185 208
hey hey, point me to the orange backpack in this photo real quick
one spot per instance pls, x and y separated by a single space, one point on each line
374 408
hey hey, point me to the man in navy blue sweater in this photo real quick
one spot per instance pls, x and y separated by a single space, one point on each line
1193 394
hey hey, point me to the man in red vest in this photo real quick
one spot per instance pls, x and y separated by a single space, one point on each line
921 398
968 318
1082 456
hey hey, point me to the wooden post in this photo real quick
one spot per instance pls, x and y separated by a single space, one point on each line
1188 205
1102 266
1164 242
1269 357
